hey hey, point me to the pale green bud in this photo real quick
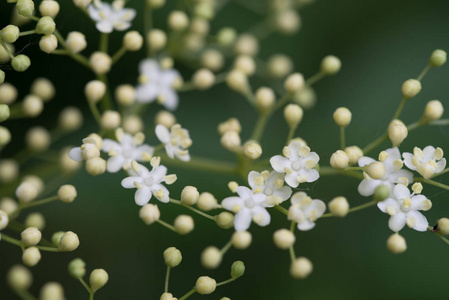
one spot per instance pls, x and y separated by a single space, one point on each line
381 193
10 34
98 279
77 268
46 25
4 112
237 269
172 257
56 238
225 220
2 76
25 7
20 63
226 36
438 58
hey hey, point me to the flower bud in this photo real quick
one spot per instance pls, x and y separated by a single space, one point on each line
20 63
189 195
149 213
265 99
330 65
203 79
98 279
8 93
230 125
157 39
434 110
67 193
100 62
32 106
19 278
252 150
45 25
155 4
284 239
354 154
411 88
178 20
31 256
95 166
4 112
95 91
396 243
294 83
132 41
212 59
339 207
397 132
225 220
82 3
339 160
49 8
438 58
226 36
35 220
38 139
184 224
279 66
237 269
245 64
56 238
342 116
125 94
301 268
167 296
70 119
31 236
75 42
293 115
211 257
375 170
241 239
205 285
443 226
77 268
172 257
43 88
237 81
48 43
207 201
52 291
26 192
5 134
69 242
4 219
10 34
25 7
287 21
9 170
2 77
231 141
246 44
110 119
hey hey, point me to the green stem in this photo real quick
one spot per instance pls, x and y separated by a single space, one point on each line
327 171
167 225
104 42
281 209
147 21
292 253
106 102
48 249
6 49
11 240
260 126
226 248
354 209
224 282
188 294
91 295
424 72
291 133
203 164
400 108
375 143
24 294
40 202
167 276
435 183
118 55
193 209
292 226
315 78
77 57
95 112
85 285
23 33
342 138
441 173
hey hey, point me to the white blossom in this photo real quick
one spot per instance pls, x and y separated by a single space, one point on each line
426 162
157 83
298 164
176 141
147 182
123 152
404 207
270 184
109 17
248 206
305 211
391 158
89 149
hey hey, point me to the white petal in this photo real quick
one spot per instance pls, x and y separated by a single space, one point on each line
121 25
242 220
261 216
183 157
142 196
397 222
292 179
163 134
417 202
401 192
104 26
363 161
109 144
367 187
389 202
75 154
421 223
128 182
230 202
319 206
441 165
393 177
115 164
279 163
313 156
170 98
168 77
393 153
294 148
408 160
94 13
260 198
306 225
171 150
428 153
244 192
284 192
146 93
311 174
159 173
139 151
127 14
149 68
166 197
252 177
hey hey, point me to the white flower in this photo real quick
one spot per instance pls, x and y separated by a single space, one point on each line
176 141
4 220
298 164
248 206
426 162
391 158
270 184
157 83
148 182
404 207
305 211
110 17
88 150
127 149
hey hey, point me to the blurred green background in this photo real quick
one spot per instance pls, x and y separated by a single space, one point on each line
381 43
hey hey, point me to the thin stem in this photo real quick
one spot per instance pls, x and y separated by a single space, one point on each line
118 55
77 57
315 78
260 126
193 209
23 33
368 148
281 102
342 138
167 225
24 294
6 49
203 164
435 183
400 108
147 21
291 133
167 276
281 209
441 173
40 202
424 72
226 248
188 294
95 112
85 285
442 237
91 295
354 209
48 249
292 226
104 42
11 240
292 253
327 171
226 281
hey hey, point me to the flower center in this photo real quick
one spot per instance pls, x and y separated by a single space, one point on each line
268 191
127 153
149 181
249 203
296 165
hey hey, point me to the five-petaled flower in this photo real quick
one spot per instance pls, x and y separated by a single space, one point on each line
149 183
109 17
305 211
248 206
404 207
157 83
298 164
176 141
391 159
426 162
270 184
127 149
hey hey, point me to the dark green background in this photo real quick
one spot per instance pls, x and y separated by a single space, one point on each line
381 43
